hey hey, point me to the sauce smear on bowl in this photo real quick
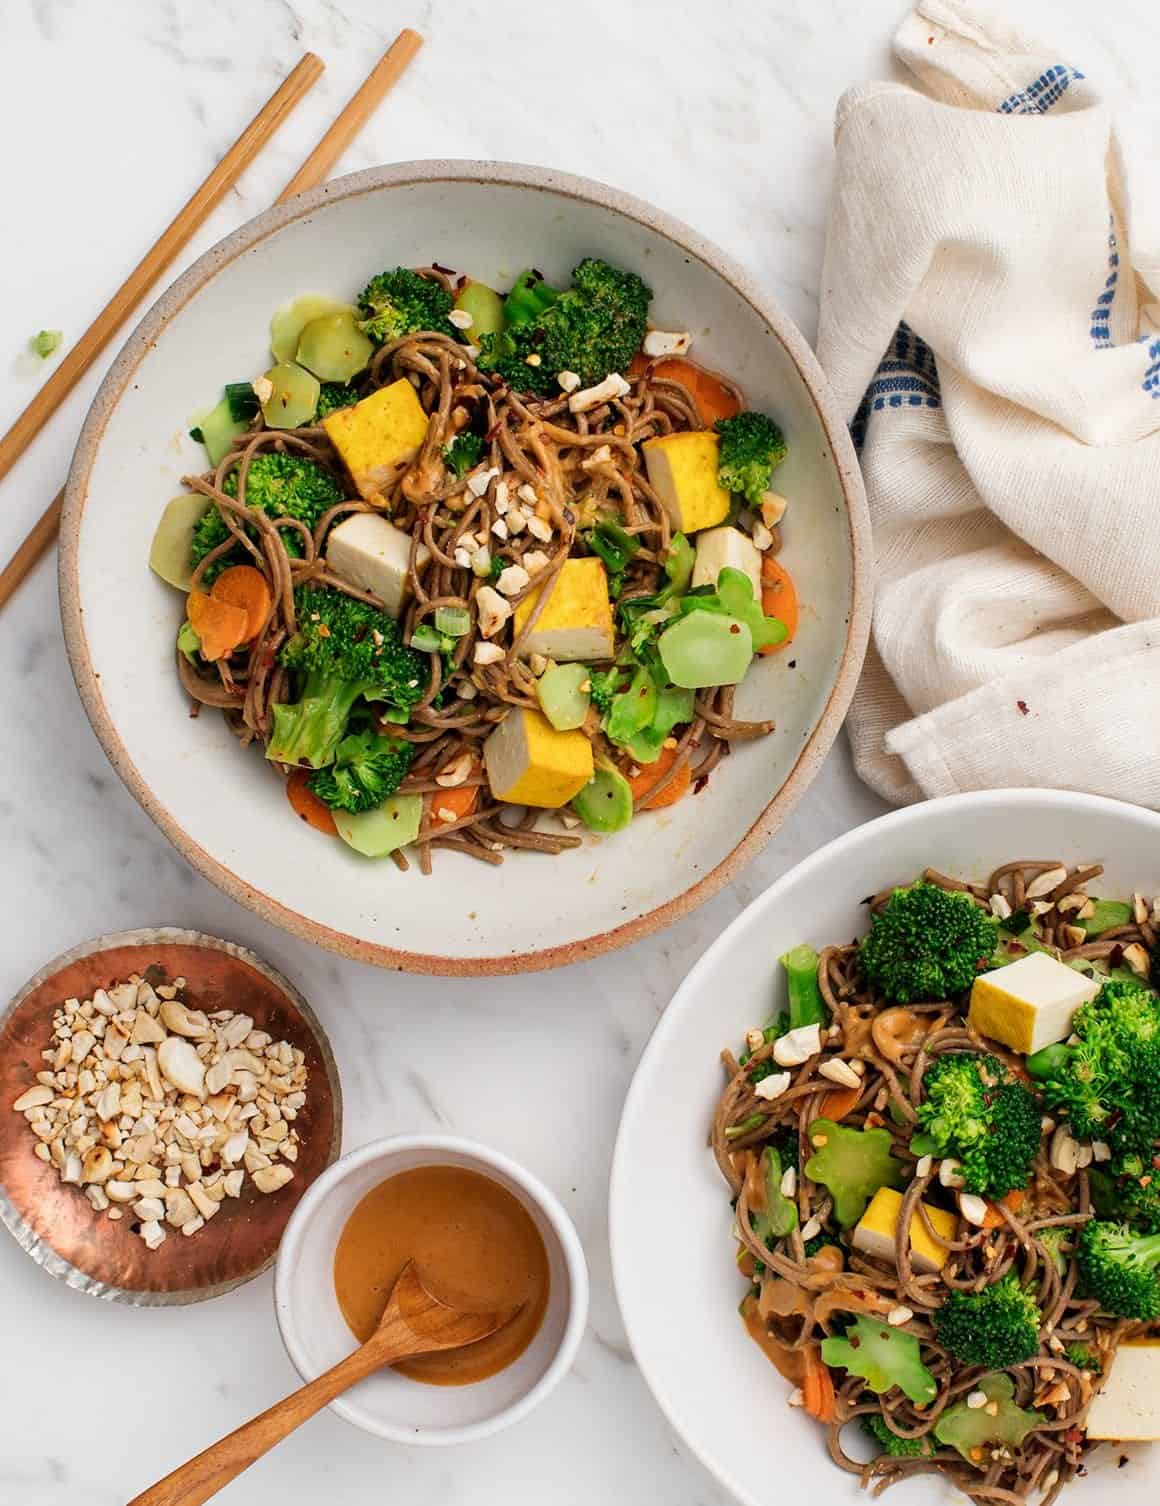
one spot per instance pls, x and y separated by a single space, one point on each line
475 1247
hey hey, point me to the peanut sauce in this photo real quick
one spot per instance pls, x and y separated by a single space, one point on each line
475 1247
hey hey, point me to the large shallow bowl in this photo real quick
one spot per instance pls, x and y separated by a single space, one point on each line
218 805
672 1255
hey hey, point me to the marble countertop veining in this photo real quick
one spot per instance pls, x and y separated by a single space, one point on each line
722 116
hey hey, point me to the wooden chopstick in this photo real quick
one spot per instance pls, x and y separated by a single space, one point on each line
313 171
189 218
359 108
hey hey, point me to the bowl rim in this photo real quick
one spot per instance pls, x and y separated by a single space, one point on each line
536 1191
537 179
683 999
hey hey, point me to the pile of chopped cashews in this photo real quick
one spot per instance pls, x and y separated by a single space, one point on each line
160 1112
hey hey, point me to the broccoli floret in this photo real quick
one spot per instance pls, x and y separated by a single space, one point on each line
280 486
464 452
343 650
593 329
366 769
1057 1243
852 1165
927 943
884 1357
996 1327
1135 1191
332 395
604 685
1118 1269
976 1112
878 1430
752 447
1108 1083
401 302
1084 1357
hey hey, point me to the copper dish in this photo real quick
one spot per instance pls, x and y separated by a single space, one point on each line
55 1223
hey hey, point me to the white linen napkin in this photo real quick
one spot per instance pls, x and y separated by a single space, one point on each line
991 329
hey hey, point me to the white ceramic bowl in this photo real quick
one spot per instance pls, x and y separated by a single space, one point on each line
216 802
679 1295
402 1410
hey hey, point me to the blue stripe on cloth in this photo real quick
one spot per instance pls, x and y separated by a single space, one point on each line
1102 313
1152 375
1047 90
907 377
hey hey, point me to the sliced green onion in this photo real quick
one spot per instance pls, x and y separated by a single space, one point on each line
188 642
454 621
427 639
45 342
734 1131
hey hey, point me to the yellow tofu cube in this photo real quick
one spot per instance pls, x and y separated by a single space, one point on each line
874 1233
1127 1405
529 763
378 437
576 623
682 470
1028 1004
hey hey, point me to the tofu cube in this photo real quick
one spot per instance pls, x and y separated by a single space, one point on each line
682 470
529 763
1028 1004
874 1232
718 547
368 552
576 623
378 437
1127 1405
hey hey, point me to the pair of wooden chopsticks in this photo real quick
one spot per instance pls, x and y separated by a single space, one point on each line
313 171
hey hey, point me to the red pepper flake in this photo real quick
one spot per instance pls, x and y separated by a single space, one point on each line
1116 955
1024 710
447 271
700 784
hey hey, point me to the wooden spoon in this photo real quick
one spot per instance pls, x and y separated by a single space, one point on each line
413 1322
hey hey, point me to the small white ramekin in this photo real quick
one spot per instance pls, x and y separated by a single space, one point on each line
390 1405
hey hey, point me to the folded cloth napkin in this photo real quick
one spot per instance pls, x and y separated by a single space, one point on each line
991 329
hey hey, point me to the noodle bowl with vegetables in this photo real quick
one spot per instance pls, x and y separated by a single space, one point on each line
475 570
942 1156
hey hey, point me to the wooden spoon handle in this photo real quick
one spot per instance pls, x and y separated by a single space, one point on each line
223 1461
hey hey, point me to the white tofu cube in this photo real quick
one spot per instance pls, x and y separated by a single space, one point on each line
1029 1004
1127 1406
368 552
718 547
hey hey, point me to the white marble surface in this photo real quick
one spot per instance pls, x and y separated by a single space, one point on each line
115 111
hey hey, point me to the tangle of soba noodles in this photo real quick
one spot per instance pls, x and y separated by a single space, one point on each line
579 464
799 1300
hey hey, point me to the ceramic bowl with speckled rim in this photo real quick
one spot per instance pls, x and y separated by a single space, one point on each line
54 1223
217 803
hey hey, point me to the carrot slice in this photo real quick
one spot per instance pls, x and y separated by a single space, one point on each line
713 399
993 1219
778 599
838 1102
243 586
448 806
652 773
307 805
220 626
818 1387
